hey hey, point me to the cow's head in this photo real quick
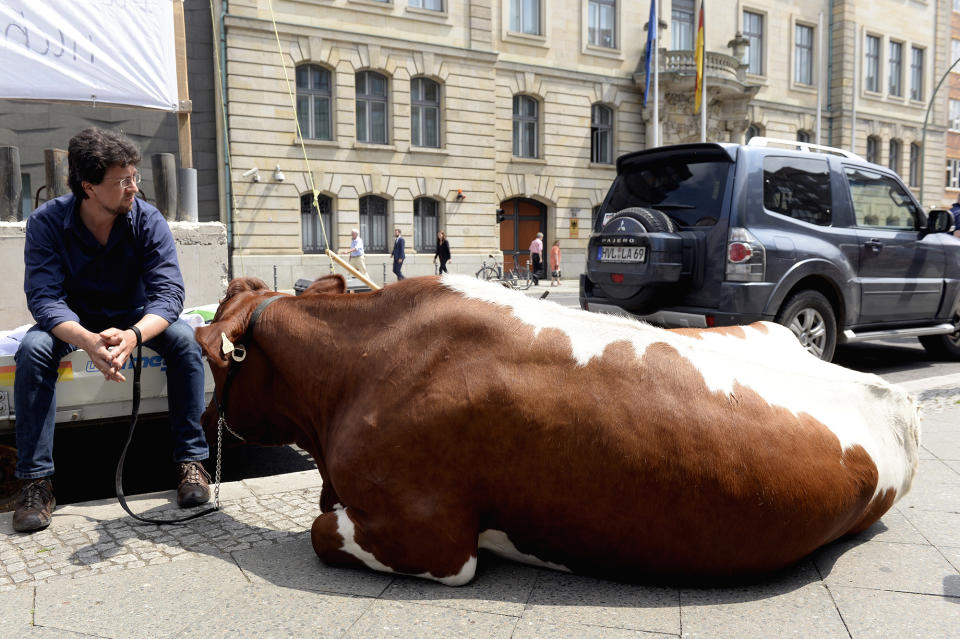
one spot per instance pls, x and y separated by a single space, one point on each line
245 414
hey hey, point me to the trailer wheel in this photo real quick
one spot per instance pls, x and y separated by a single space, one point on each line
9 485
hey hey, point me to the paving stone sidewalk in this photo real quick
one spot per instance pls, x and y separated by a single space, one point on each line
249 571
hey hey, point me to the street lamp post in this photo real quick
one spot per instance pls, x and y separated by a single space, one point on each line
926 117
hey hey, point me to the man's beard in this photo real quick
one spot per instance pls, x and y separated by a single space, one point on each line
123 209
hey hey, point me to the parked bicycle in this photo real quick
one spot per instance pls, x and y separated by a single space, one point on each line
519 277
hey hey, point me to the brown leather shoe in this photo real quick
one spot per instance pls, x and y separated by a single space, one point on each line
34 506
194 487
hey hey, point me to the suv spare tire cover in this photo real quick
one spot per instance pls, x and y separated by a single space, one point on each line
652 220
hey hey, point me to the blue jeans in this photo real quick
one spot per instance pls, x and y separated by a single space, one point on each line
35 395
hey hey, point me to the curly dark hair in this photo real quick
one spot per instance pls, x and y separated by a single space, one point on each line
92 152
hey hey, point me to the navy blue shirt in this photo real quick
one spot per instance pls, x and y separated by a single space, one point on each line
70 276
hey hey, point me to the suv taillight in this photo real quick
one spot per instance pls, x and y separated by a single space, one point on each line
746 257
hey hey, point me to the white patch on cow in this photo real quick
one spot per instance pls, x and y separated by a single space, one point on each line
497 541
859 408
347 531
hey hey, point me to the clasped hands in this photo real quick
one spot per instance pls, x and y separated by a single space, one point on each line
110 350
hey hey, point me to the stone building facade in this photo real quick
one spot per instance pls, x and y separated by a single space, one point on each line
952 182
497 119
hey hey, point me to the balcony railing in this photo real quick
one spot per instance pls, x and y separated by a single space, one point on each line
719 66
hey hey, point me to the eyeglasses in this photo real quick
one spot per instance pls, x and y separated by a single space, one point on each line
127 182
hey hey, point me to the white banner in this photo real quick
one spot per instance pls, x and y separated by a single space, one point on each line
99 51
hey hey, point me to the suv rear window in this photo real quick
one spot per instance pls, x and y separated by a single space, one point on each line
689 192
798 188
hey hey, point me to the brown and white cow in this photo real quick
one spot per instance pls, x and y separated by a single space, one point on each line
447 414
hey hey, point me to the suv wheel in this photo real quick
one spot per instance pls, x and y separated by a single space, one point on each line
811 318
945 346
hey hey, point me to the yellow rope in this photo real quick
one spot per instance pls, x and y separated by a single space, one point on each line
303 148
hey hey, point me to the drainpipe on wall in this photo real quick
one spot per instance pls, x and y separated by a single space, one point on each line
228 175
829 73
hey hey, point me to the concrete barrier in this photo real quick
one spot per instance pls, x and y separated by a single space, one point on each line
201 249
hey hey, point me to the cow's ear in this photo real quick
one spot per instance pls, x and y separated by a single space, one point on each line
328 284
210 339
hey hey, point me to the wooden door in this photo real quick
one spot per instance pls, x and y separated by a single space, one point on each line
522 220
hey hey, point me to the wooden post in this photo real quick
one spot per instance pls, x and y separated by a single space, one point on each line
185 107
11 184
164 167
56 171
357 274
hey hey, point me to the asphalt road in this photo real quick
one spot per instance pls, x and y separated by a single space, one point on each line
86 456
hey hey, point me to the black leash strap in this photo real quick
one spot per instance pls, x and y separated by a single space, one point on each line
118 481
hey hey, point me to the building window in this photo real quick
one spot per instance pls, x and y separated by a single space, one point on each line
316 226
871 65
803 55
752 131
681 27
525 121
896 69
953 174
954 122
954 53
753 31
371 108
425 224
873 149
803 136
424 113
602 31
525 16
601 134
914 164
313 102
916 73
432 5
373 223
893 157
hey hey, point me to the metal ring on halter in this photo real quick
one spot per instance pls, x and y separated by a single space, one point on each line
239 353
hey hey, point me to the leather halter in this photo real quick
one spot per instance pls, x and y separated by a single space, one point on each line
234 362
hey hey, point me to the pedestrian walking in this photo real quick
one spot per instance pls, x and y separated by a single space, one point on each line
356 252
555 263
443 251
398 254
536 254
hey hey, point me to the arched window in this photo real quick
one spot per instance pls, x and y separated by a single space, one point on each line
313 223
873 149
424 112
373 223
601 134
893 157
313 102
803 136
425 218
371 108
914 164
525 126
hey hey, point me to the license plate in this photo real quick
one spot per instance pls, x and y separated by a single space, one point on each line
623 254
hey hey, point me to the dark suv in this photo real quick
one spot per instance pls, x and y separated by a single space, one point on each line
817 239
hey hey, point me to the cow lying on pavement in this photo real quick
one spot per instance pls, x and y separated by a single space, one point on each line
447 414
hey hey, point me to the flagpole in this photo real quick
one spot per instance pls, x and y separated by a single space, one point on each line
656 72
819 72
703 74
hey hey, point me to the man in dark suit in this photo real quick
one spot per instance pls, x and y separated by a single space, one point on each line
398 254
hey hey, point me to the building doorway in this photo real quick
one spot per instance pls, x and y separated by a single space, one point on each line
522 220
